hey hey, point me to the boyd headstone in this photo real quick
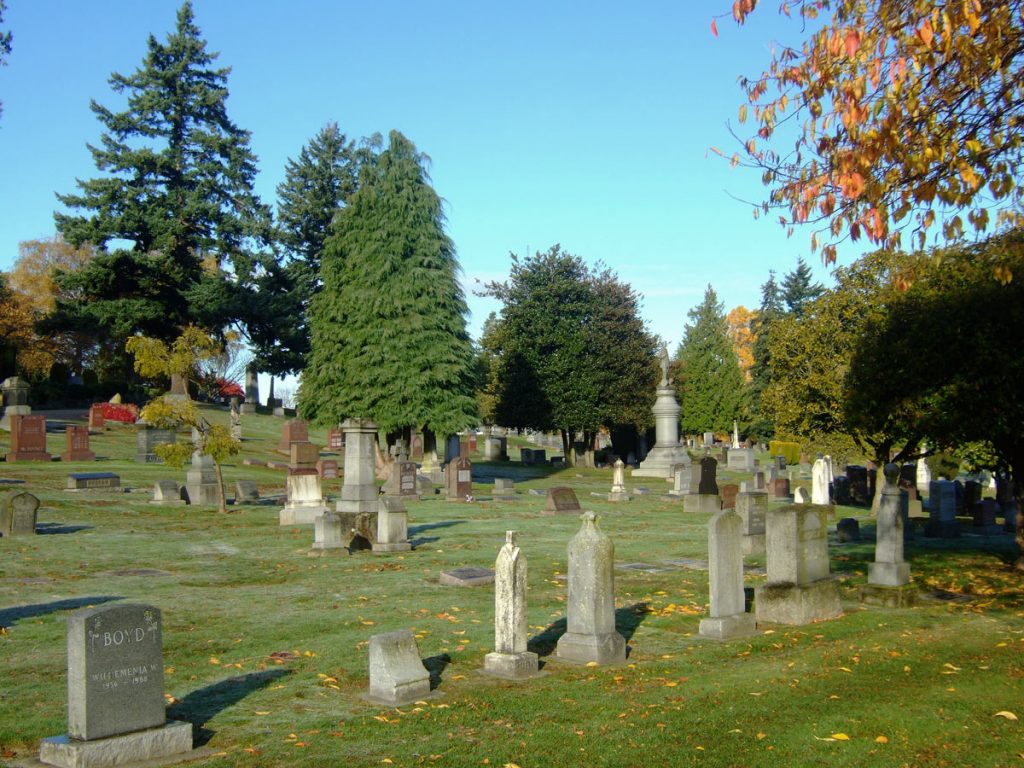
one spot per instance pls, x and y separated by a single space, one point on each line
116 706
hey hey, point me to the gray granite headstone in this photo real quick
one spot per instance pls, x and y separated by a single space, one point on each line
397 676
18 512
246 491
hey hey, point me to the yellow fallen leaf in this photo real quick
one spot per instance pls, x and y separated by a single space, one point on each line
840 737
261 713
760 735
846 669
947 665
1008 715
214 660
387 760
591 663
881 740
510 765
700 748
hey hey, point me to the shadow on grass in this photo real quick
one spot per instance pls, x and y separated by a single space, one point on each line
627 619
414 529
9 615
200 706
47 529
435 666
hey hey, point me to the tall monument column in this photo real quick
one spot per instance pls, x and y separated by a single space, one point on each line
667 451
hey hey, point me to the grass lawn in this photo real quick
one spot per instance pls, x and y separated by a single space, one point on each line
265 649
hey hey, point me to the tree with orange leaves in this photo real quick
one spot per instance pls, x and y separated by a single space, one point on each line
907 116
740 321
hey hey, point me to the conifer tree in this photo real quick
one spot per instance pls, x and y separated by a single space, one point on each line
771 309
388 328
799 288
712 390
178 181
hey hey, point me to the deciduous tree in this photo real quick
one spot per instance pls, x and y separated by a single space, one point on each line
905 114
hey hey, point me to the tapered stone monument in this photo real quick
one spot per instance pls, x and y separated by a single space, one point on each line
667 451
618 492
510 657
889 575
590 607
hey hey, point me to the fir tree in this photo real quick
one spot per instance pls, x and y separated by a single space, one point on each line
179 183
712 390
799 288
388 328
761 371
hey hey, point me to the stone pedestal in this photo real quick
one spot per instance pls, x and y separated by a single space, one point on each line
889 568
618 492
667 451
590 608
305 502
166 743
201 486
359 492
702 503
328 536
392 527
15 400
740 459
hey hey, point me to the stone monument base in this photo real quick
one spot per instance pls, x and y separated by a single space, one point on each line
512 666
169 742
728 627
889 597
397 546
753 544
702 503
619 496
661 461
576 648
300 514
796 604
889 574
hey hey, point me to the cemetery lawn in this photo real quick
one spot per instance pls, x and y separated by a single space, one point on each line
265 648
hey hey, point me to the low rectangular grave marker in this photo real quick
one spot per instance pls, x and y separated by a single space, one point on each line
561 500
93 481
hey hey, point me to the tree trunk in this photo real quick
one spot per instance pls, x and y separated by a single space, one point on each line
222 502
567 436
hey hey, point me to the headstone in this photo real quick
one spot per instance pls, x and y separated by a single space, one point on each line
292 431
889 568
392 526
728 492
359 503
751 507
235 418
801 496
857 477
329 535
510 657
740 459
667 451
504 489
467 576
335 440
15 400
167 493
708 471
728 617
780 488
984 514
972 494
201 485
327 469
760 483
402 480
942 522
304 501
735 434
618 492
246 492
841 490
561 501
77 445
459 479
252 391
685 479
93 481
302 457
18 514
847 530
702 503
28 439
709 439
496 448
820 481
798 590
397 676
416 447
116 705
147 438
924 473
590 606
97 423
452 448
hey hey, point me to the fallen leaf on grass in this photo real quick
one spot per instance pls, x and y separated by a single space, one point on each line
1005 713
846 669
840 737
261 713
881 740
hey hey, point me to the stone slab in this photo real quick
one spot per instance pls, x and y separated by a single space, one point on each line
467 577
889 597
797 605
512 666
702 503
603 649
728 627
156 746
93 481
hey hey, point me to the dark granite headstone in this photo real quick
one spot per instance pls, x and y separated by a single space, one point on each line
848 529
841 490
147 438
88 481
708 470
857 477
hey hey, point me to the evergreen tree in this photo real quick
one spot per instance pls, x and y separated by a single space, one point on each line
712 390
799 288
771 309
388 328
5 45
179 183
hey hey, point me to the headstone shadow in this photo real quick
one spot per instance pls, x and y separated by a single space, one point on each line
627 619
435 666
200 706
414 529
10 615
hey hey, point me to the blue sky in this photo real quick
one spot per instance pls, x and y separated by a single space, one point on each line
585 124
